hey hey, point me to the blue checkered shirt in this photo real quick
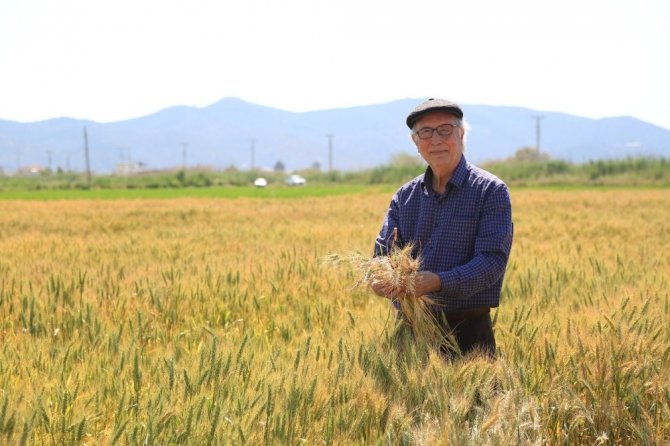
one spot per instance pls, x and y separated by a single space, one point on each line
464 235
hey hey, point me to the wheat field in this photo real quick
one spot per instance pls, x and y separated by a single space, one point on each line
217 322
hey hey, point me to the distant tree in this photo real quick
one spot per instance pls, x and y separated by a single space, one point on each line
405 159
316 166
181 177
529 154
279 167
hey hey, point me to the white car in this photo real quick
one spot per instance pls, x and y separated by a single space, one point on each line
260 182
295 180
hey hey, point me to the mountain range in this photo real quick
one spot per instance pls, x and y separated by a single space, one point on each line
233 132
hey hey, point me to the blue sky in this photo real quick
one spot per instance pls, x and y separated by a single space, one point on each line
113 60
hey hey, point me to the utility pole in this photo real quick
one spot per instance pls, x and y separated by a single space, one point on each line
537 119
88 160
49 157
330 152
253 153
125 155
184 148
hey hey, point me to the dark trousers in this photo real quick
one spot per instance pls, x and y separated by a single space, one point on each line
463 335
473 335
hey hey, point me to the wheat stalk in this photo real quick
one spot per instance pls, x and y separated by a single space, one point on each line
396 274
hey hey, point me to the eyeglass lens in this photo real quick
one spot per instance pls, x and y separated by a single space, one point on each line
444 130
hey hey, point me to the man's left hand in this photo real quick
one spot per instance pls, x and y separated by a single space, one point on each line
426 283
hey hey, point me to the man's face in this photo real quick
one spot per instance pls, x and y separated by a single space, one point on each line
441 153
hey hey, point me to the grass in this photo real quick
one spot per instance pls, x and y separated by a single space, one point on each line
320 190
212 321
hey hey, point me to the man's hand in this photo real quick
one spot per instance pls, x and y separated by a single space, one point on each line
426 283
382 289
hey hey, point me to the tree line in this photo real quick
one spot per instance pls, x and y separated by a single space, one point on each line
527 167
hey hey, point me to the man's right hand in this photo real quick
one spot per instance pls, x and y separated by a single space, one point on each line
382 289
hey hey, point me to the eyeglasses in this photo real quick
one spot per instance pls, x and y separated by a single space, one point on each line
444 130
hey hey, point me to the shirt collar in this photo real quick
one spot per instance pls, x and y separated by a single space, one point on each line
460 175
457 179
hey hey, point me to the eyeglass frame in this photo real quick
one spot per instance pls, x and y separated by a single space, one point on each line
436 129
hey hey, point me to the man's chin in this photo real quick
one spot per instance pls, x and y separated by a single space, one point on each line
442 158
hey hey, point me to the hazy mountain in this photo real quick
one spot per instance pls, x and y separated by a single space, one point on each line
221 135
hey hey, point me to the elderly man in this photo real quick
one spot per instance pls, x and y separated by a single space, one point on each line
459 218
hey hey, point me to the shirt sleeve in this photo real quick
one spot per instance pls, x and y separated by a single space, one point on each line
492 245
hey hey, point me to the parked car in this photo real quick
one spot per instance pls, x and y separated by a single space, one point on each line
295 180
260 182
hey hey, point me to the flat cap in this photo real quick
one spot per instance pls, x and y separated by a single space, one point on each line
433 104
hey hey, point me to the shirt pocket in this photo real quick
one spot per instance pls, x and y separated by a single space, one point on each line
461 233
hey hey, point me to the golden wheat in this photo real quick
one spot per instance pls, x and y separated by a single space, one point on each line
395 275
210 321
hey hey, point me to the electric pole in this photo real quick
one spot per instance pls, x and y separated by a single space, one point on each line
184 147
330 152
253 154
88 161
49 157
537 119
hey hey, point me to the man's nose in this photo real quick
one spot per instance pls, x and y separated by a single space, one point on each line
436 136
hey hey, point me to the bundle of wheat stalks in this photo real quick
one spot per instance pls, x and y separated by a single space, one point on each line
396 274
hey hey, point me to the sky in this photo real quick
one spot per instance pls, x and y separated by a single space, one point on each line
113 60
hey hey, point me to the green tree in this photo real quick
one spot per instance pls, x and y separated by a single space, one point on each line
403 159
529 154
